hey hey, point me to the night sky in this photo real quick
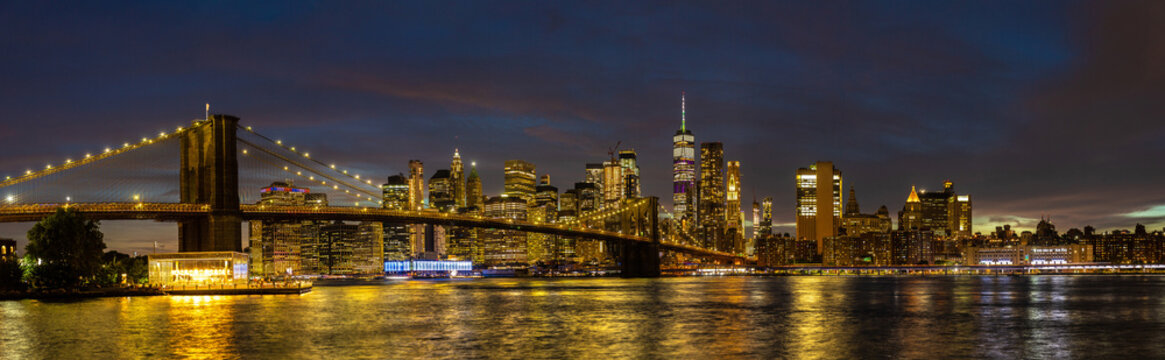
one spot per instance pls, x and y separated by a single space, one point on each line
1036 109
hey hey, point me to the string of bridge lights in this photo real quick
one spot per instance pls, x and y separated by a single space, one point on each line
307 155
89 158
321 182
605 212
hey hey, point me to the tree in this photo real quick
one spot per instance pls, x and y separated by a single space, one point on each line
114 264
66 248
11 274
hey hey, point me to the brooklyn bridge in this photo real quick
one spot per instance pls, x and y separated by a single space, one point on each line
217 156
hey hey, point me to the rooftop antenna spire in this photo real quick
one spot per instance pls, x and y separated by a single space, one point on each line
207 111
683 111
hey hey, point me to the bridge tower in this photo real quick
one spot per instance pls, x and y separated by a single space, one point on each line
641 259
210 175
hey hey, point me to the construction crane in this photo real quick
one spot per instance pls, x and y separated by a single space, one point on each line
612 151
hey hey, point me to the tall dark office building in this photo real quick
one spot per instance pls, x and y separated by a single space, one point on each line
629 161
473 195
712 199
441 192
766 220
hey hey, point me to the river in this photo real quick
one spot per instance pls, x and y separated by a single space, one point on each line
608 318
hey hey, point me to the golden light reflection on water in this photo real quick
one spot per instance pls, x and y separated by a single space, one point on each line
735 317
200 326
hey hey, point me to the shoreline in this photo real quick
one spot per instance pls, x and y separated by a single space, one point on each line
73 294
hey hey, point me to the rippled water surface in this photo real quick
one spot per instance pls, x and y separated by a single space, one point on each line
732 317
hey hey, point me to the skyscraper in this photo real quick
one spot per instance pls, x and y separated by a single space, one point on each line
440 192
504 248
416 203
818 202
473 196
766 221
594 175
283 247
589 197
711 201
683 170
734 233
395 196
960 216
457 180
628 160
416 185
613 190
755 219
910 218
520 180
541 247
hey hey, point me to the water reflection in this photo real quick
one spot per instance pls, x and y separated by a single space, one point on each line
781 317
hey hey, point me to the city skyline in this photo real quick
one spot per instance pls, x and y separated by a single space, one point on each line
1023 124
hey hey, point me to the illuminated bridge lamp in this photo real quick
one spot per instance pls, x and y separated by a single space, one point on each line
137 197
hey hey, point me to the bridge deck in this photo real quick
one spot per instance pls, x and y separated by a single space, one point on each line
175 212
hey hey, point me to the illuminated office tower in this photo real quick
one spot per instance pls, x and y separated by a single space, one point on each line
711 201
416 185
416 203
395 196
960 216
347 249
546 195
568 202
910 218
461 242
935 209
282 247
755 219
734 231
520 180
818 202
473 196
594 175
684 170
766 221
589 197
540 247
613 190
565 250
441 192
629 161
504 248
457 180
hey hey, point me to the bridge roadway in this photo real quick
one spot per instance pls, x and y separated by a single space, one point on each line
177 211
